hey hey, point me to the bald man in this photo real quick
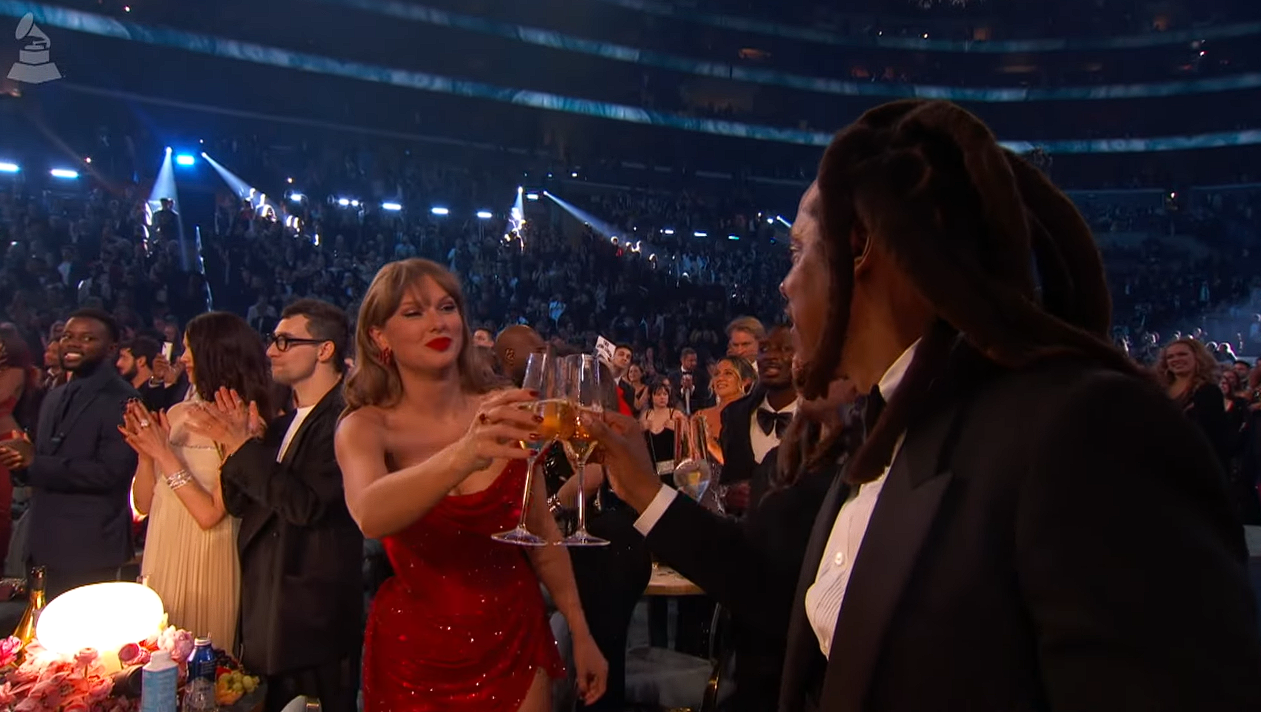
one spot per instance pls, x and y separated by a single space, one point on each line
513 349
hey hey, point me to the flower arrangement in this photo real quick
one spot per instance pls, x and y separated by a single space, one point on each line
39 680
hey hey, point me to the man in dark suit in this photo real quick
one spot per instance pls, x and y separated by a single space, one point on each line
976 552
752 426
301 553
689 385
81 471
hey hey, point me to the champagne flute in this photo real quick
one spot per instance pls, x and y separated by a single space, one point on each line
583 391
540 376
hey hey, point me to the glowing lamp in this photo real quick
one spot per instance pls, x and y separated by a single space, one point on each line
104 616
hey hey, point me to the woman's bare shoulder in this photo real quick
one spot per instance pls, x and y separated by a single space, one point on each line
361 421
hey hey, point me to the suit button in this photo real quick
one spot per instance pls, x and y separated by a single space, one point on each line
839 559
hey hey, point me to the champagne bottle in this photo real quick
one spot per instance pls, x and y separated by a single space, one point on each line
34 605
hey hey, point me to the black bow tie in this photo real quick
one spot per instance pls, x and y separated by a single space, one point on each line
769 420
873 408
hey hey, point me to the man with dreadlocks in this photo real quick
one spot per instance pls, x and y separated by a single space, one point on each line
1029 524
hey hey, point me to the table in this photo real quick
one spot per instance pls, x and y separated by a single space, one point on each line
666 581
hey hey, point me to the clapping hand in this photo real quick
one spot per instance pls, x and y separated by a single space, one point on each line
228 421
147 433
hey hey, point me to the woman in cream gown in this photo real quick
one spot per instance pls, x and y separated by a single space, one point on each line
190 555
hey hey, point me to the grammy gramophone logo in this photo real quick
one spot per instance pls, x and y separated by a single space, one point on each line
33 65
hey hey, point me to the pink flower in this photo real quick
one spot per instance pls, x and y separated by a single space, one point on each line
76 705
9 649
129 654
100 688
26 673
7 696
86 658
48 680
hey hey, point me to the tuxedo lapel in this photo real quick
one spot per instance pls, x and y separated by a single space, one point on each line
803 646
256 517
47 419
908 504
324 404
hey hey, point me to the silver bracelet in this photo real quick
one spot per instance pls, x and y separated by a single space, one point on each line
554 506
178 479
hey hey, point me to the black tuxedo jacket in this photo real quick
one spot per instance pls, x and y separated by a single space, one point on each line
737 449
701 397
81 476
301 552
1076 555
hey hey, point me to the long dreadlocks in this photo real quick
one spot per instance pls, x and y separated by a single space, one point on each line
967 221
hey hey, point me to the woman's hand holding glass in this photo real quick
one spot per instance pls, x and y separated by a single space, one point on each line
497 432
553 419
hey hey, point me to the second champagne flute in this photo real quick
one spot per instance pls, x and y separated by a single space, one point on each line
584 392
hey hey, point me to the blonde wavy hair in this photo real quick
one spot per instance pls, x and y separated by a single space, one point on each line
372 383
1206 368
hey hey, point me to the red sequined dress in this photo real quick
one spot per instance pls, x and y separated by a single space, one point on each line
461 625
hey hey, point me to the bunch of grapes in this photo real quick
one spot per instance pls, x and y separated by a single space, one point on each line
232 685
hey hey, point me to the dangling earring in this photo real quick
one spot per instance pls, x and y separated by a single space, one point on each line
386 357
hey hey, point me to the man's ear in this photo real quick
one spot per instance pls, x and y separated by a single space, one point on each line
860 243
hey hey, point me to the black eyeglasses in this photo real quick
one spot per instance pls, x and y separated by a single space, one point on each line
283 342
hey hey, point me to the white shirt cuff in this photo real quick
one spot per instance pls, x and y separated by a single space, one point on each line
657 507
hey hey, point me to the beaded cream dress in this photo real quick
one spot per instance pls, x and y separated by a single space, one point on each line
196 571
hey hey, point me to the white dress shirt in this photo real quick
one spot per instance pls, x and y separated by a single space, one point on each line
761 441
299 417
824 597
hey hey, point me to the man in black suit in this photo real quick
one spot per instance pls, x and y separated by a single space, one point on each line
752 426
80 475
689 387
301 553
1030 524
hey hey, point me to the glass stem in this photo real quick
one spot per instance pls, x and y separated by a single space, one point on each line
582 496
525 495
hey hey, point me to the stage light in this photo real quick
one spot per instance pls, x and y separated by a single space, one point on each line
203 154
698 233
770 221
185 160
87 159
343 202
354 203
290 181
484 215
168 149
439 211
6 167
733 237
574 174
667 231
298 197
65 173
393 207
531 196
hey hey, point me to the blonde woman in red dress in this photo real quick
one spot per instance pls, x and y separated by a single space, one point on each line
432 467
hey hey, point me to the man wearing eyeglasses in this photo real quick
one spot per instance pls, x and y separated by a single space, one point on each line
301 553
80 474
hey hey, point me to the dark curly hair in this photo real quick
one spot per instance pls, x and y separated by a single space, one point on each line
228 353
1005 259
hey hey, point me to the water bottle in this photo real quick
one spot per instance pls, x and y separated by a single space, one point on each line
199 691
158 682
199 696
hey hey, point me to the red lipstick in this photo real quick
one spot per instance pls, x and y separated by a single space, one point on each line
442 343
